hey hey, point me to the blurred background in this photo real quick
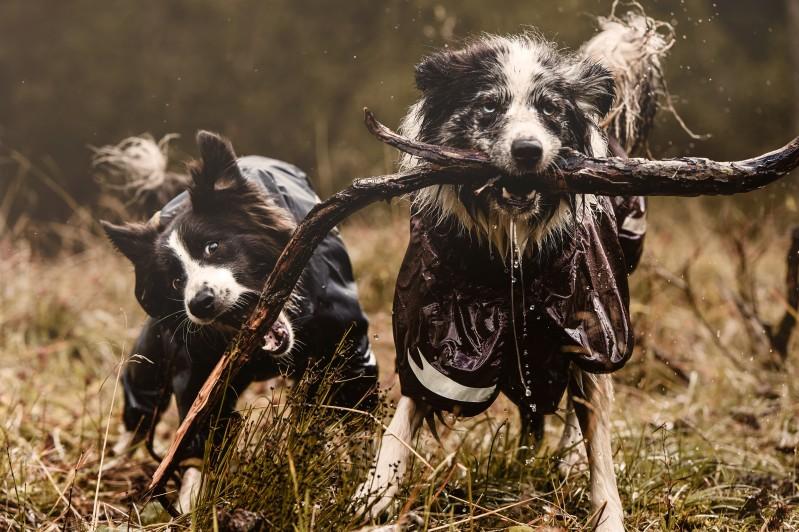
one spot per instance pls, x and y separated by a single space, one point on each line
288 78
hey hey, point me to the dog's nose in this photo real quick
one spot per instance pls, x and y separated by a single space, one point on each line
202 305
527 152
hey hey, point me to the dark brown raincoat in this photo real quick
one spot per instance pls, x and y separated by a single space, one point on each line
469 323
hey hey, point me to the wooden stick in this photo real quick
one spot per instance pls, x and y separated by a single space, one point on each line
615 176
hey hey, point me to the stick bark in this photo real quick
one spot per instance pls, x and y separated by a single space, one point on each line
578 174
616 176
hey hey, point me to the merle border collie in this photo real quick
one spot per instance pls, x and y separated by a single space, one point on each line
505 288
200 264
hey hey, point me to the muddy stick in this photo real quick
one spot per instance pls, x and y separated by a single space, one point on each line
615 176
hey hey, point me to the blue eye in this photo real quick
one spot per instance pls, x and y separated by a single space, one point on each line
211 248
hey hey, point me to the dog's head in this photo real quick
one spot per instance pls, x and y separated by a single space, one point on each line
519 100
207 264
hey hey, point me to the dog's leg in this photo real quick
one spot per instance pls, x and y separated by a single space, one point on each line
571 446
146 386
189 489
385 476
593 398
187 379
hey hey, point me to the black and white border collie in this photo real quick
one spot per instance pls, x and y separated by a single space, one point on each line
200 264
520 100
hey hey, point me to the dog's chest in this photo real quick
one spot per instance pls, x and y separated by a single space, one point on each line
469 324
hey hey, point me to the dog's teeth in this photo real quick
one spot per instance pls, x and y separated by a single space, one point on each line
531 195
506 194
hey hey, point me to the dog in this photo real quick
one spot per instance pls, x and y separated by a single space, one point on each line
200 264
504 288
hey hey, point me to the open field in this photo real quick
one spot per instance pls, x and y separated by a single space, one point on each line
705 422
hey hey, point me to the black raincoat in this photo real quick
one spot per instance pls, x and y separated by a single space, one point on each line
469 324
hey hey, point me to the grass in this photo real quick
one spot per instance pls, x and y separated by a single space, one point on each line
705 422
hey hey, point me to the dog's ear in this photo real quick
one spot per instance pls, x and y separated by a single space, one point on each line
134 240
443 68
217 168
594 88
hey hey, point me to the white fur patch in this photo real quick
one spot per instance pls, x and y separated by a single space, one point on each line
634 225
519 66
198 276
598 391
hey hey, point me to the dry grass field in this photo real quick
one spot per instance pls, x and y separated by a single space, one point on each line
705 422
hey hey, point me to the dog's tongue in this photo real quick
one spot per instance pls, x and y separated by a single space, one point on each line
276 339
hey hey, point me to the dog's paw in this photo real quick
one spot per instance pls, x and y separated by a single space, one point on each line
607 516
372 499
189 490
573 461
610 523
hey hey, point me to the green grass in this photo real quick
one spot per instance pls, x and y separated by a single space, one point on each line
713 451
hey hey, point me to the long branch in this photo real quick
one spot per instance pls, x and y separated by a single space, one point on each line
614 176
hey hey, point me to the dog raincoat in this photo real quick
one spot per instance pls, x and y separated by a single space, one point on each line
469 323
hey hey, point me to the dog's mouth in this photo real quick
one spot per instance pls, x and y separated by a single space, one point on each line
514 194
279 340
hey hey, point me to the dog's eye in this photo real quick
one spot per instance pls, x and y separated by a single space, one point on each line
549 108
489 107
176 282
211 248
